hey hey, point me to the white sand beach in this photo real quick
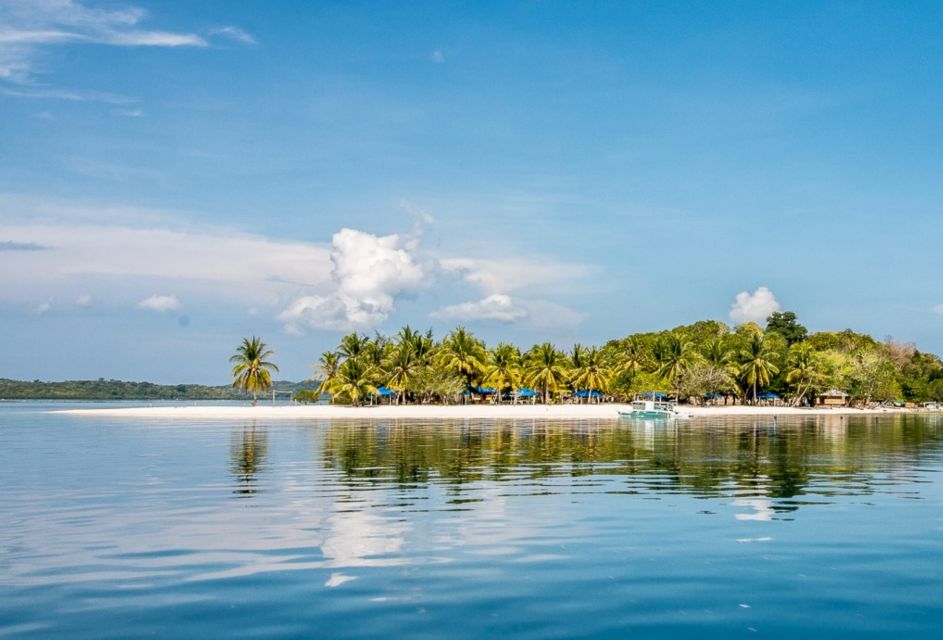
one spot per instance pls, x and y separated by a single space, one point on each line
453 412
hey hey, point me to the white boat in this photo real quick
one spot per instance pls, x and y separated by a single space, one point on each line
657 409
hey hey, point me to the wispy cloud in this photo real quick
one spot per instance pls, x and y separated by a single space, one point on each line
160 303
72 96
234 33
498 307
437 56
27 27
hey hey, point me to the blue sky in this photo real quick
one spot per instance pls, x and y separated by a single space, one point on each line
174 176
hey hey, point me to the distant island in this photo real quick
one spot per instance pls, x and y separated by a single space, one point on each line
102 389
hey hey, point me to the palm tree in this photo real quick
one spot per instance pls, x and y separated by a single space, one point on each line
352 345
503 370
462 353
400 368
675 356
545 368
252 372
591 373
756 363
327 366
631 358
805 370
354 380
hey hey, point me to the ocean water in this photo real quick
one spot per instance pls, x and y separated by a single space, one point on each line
811 527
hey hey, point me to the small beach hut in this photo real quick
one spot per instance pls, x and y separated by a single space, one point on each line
832 398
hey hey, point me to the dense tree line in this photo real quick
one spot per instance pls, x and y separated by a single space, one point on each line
695 362
110 390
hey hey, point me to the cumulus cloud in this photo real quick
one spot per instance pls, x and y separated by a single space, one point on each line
160 303
368 273
753 307
497 306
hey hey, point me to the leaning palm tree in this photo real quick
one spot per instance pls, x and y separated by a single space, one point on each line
503 370
675 356
252 372
545 368
756 363
462 353
805 370
326 368
591 373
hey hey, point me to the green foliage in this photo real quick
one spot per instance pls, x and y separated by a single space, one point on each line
785 324
692 361
252 372
111 390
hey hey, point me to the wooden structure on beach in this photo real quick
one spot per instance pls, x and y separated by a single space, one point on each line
832 398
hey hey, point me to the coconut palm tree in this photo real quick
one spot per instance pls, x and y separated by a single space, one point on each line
503 369
400 368
805 370
462 353
591 373
545 368
756 363
252 372
675 356
352 345
354 381
631 358
326 368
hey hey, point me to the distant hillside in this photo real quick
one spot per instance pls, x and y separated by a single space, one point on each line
122 390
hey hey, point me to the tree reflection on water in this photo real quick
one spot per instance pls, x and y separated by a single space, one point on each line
748 458
247 454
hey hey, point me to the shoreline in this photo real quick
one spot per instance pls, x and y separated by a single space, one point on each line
452 412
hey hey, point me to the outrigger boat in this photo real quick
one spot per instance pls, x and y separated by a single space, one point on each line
653 408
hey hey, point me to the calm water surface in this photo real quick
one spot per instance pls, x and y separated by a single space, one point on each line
722 528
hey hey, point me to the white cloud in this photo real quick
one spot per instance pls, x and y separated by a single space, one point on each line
71 96
83 300
368 273
234 33
755 307
437 56
543 314
160 303
511 274
43 307
497 306
128 250
29 26
938 309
